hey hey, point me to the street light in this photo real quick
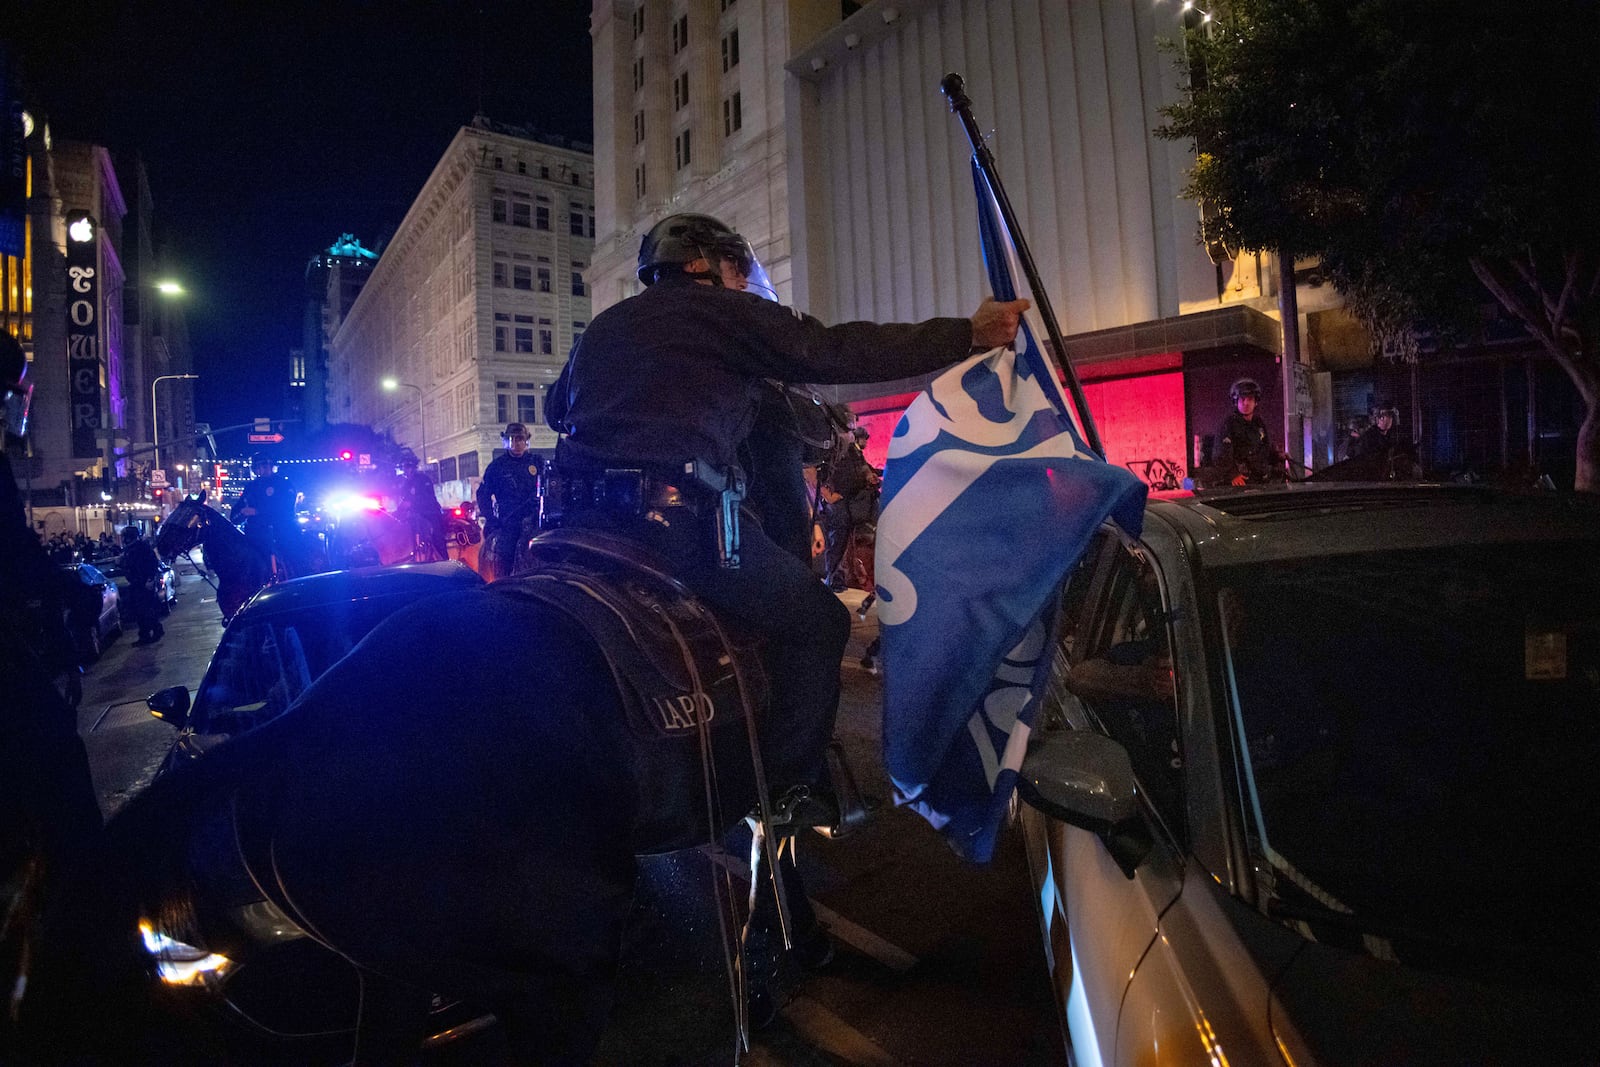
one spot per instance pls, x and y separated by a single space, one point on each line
169 288
155 423
389 386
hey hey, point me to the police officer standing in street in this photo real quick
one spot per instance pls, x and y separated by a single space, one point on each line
140 564
667 384
266 507
1246 453
508 494
49 817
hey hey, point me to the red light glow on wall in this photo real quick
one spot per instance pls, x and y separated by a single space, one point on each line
1141 418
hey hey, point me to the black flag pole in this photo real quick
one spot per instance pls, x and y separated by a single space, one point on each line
954 87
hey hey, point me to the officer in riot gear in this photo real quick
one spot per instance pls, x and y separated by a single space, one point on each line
1246 453
49 817
1381 448
267 509
662 391
417 503
508 494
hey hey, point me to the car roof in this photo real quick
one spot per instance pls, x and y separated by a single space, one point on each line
1243 526
409 580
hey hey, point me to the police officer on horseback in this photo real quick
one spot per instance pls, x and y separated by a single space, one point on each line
658 397
1248 455
508 494
266 507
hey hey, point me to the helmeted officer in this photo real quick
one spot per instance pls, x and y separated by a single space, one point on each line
49 817
1246 453
266 507
668 383
508 494
1381 445
418 504
141 566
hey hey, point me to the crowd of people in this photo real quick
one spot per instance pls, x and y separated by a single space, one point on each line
78 547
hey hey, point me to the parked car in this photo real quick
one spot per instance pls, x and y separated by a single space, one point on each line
1313 778
93 611
283 639
279 995
166 578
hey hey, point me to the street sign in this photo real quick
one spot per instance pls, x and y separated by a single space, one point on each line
158 478
263 426
266 438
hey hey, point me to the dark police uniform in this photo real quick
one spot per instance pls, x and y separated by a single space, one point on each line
416 501
508 493
274 522
1246 449
141 566
674 375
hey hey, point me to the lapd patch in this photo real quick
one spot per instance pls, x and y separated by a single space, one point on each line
533 469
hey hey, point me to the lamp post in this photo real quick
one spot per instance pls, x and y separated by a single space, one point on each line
155 423
389 386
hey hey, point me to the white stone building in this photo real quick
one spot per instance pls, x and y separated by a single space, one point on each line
474 303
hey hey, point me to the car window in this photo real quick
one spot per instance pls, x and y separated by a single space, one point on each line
88 575
263 665
1119 664
1419 735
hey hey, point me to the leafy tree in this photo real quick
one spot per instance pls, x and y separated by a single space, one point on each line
1427 152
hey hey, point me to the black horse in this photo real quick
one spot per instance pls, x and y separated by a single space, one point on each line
456 807
240 565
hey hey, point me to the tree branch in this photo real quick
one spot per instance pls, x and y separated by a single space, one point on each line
1583 374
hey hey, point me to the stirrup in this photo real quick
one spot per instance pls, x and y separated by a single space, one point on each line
854 807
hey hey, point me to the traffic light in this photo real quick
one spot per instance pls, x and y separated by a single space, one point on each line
157 493
346 455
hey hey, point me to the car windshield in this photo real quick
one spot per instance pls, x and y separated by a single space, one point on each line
1421 731
264 664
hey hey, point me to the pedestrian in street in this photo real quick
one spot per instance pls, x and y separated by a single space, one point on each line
142 567
508 494
49 818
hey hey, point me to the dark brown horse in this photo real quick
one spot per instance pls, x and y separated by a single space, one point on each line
239 564
455 808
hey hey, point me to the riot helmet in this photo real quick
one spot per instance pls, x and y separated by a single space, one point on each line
1244 387
407 460
684 238
1384 407
260 460
17 391
515 432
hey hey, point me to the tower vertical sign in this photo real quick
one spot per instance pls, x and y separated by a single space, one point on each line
83 334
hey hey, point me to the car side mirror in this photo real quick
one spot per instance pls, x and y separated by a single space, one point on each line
1085 779
170 705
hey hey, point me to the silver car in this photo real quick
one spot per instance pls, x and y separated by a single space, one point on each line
1315 782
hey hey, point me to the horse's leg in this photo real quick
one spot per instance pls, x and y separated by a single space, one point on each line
392 1022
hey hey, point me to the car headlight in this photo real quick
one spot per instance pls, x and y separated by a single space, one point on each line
178 963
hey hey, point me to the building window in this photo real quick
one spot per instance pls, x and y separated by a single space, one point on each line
732 115
544 279
578 328
638 81
680 149
527 409
577 285
525 339
499 163
638 181
467 462
521 277
730 50
520 213
575 220
680 91
522 167
680 34
638 127
638 21
502 408
499 338
547 342
497 209
499 274
542 218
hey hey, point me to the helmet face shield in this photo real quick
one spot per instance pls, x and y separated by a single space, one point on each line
15 415
735 251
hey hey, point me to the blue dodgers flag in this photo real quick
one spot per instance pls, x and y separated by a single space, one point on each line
989 497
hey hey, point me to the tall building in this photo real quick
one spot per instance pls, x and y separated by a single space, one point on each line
690 115
334 278
473 305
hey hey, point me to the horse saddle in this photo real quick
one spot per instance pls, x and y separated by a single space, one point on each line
690 692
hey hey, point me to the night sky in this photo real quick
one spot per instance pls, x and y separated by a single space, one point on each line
270 129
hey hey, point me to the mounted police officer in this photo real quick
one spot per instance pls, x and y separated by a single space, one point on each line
656 400
1246 452
266 507
417 504
508 494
